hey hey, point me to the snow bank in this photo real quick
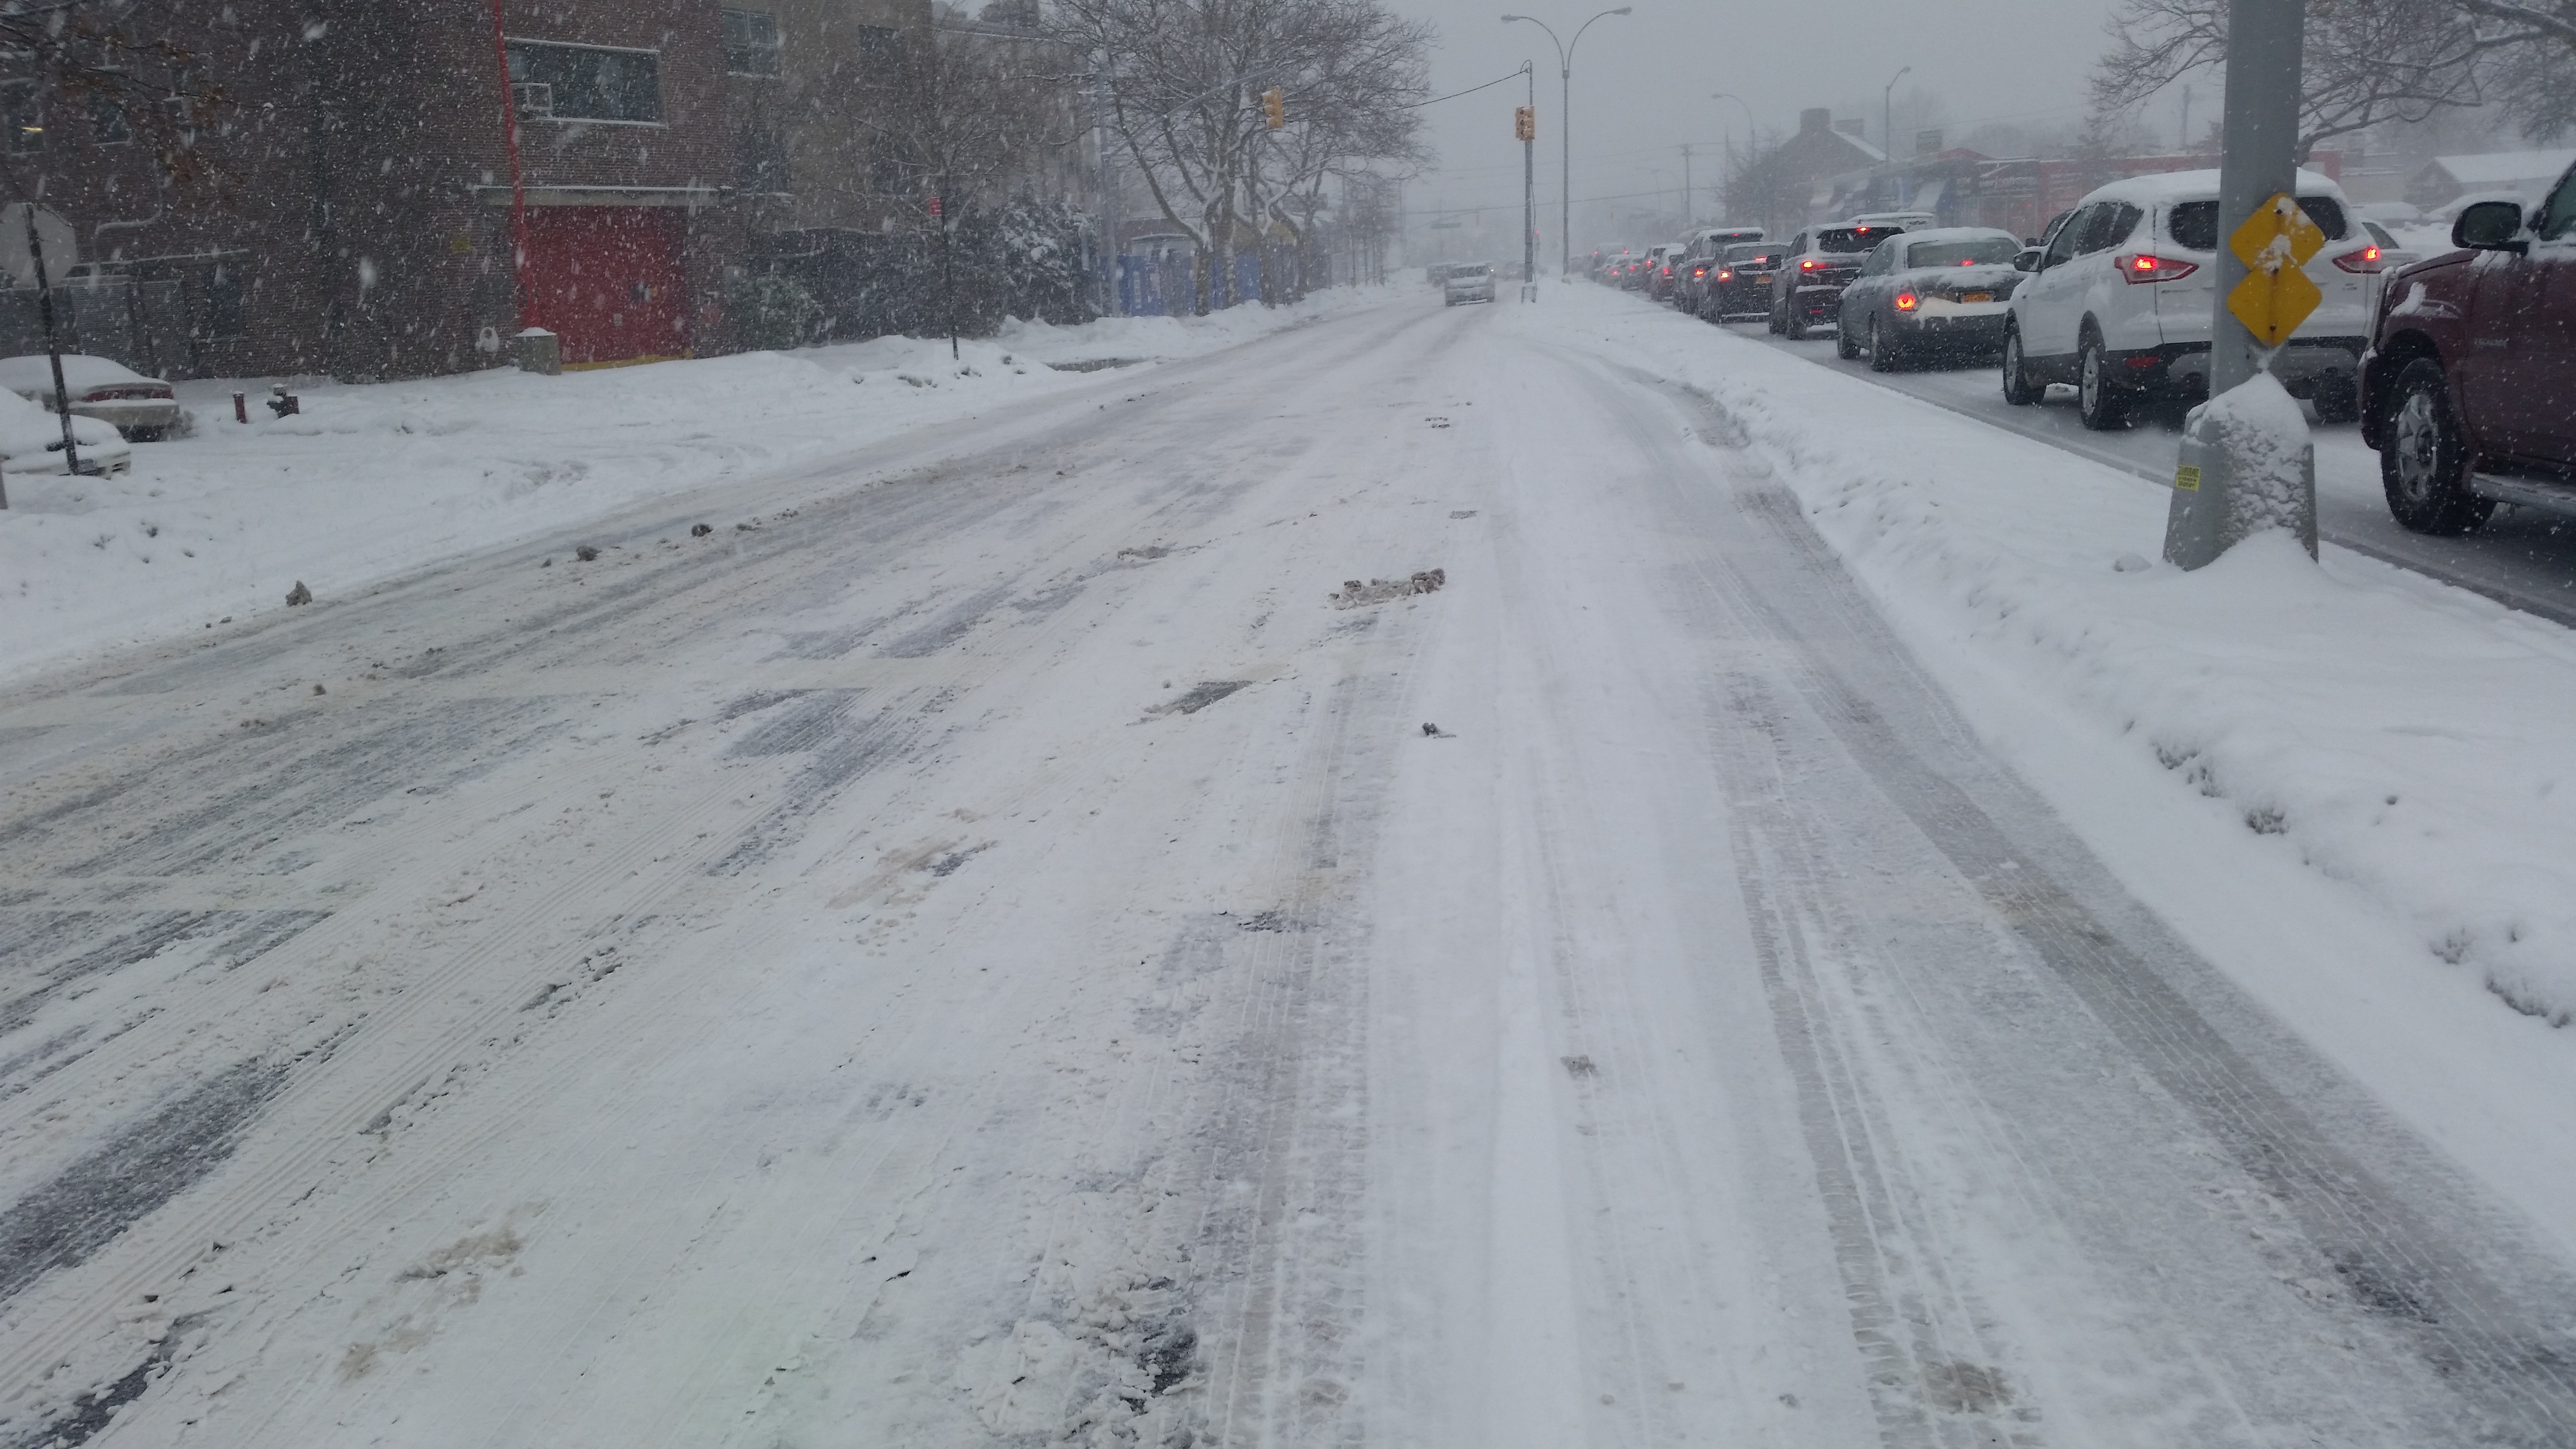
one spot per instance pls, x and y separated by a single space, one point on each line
376 480
2397 735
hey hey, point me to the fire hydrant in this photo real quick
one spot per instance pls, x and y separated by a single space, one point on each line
283 403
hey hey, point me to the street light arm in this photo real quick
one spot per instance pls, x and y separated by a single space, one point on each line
1587 25
1562 56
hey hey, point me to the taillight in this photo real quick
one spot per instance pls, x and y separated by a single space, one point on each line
1699 271
2364 261
1806 264
1726 276
1907 301
2144 267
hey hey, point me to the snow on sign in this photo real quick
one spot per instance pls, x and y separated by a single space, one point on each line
2276 296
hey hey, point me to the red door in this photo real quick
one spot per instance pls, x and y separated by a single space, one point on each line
608 280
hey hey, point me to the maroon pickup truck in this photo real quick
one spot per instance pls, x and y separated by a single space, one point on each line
2469 388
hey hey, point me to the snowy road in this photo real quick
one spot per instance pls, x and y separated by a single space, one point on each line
999 956
2521 558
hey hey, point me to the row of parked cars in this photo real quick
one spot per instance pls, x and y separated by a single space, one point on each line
111 405
2460 368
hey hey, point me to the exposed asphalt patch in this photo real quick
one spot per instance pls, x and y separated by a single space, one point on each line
152 1161
1095 364
91 1411
1202 694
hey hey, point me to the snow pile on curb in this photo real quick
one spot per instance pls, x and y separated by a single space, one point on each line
373 480
2384 729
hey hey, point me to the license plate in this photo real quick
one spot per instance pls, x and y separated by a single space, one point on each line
1976 296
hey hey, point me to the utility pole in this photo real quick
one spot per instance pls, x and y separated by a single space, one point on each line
1887 126
2248 462
1686 187
1109 204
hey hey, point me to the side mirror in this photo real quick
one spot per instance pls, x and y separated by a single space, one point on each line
2027 259
2489 226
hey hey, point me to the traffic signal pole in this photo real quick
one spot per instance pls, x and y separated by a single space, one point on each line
2243 469
1525 126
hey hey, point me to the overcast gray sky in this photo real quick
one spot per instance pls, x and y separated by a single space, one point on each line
1642 83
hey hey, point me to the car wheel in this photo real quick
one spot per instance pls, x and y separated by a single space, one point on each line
2099 402
1882 348
2018 391
2424 465
1793 322
2338 399
1846 346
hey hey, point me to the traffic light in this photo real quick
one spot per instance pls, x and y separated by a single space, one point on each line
1525 123
1274 105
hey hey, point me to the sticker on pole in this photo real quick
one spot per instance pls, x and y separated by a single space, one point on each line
2276 296
2187 477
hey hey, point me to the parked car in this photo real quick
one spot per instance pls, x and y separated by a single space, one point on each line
31 441
1701 257
1807 289
1659 273
1468 282
142 408
2468 390
2119 301
1944 291
1630 275
1741 285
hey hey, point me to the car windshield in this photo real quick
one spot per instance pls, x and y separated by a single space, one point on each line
2194 224
1852 238
1977 251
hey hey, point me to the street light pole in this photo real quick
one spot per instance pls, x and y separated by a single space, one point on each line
1750 128
1887 115
1565 127
1529 191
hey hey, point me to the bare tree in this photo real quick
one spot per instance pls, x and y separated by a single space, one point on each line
121 66
2367 61
1184 81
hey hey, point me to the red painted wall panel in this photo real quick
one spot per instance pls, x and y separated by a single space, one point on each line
610 280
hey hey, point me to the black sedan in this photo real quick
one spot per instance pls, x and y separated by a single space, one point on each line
1741 285
1944 291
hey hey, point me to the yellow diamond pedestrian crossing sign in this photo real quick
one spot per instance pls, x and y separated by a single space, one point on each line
2276 296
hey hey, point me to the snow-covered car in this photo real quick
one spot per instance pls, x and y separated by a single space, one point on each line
2119 301
1942 291
1901 220
1807 286
31 441
1468 282
142 408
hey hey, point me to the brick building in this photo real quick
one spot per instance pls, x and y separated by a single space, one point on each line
348 205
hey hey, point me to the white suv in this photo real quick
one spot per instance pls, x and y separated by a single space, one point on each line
2123 289
1471 282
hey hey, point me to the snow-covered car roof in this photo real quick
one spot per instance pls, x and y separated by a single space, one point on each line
1959 234
2193 186
34 374
31 438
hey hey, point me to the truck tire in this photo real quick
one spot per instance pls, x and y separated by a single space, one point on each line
2100 402
2424 466
2018 390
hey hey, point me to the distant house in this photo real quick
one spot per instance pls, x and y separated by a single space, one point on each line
2446 179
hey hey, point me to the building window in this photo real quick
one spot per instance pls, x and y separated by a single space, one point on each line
750 42
107 121
217 315
760 161
879 46
19 116
585 82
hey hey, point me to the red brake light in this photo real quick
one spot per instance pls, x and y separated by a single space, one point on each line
1725 276
1806 264
2145 267
1907 301
2364 261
